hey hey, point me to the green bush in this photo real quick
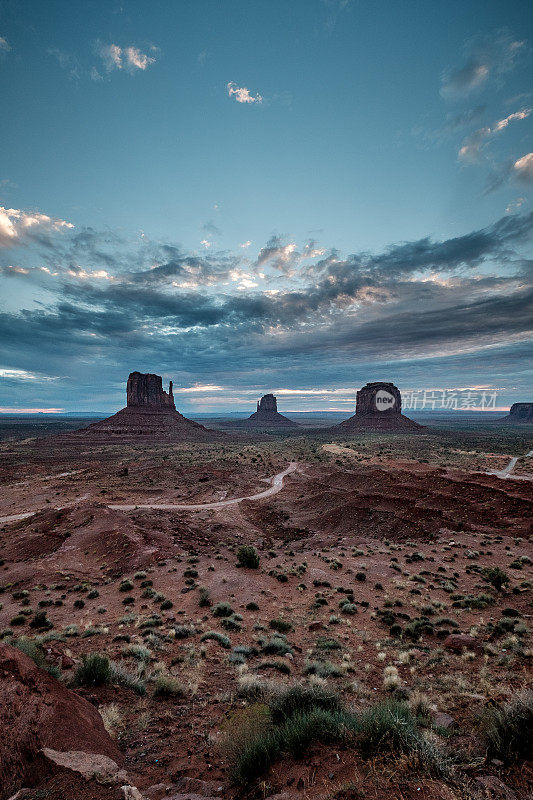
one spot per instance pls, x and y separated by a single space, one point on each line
247 556
495 576
168 686
223 641
95 670
301 698
203 597
280 625
40 620
222 609
508 730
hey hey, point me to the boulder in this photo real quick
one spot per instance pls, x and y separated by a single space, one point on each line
461 641
40 712
493 788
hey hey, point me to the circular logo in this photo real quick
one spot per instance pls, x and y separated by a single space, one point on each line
384 400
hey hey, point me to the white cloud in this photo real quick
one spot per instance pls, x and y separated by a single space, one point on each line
16 224
130 58
23 375
242 95
85 274
198 387
515 205
5 47
245 244
206 243
471 148
524 168
136 59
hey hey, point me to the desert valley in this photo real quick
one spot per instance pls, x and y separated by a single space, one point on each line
330 613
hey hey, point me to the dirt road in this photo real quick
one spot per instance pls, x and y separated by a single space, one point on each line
276 486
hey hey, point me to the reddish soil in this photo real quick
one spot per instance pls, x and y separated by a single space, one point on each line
401 537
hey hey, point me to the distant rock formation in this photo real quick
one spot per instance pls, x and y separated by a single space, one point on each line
267 415
147 390
520 413
150 413
378 408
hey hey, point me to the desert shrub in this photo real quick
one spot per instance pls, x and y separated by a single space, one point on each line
298 699
95 670
222 640
280 625
232 623
31 649
130 680
125 586
323 669
79 603
203 597
277 664
391 726
40 620
18 619
93 594
508 730
182 632
222 609
327 643
138 652
166 604
252 606
495 576
168 686
247 556
276 646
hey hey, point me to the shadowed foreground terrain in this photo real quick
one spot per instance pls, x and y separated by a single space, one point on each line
364 632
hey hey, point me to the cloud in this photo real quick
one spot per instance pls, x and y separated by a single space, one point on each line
485 56
523 168
472 146
422 299
129 58
242 95
5 47
17 225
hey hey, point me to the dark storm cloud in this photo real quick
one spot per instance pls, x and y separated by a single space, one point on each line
346 311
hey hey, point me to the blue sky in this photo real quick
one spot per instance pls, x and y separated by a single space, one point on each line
246 197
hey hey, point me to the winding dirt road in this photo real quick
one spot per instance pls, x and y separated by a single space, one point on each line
505 473
276 485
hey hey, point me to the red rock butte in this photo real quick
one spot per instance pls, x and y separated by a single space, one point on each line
268 416
378 407
520 413
150 413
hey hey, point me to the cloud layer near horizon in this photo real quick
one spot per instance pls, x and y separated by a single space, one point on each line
108 305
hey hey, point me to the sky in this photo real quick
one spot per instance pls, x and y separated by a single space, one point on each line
252 196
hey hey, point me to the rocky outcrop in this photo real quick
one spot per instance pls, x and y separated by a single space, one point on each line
150 414
379 408
268 416
520 413
37 713
147 390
